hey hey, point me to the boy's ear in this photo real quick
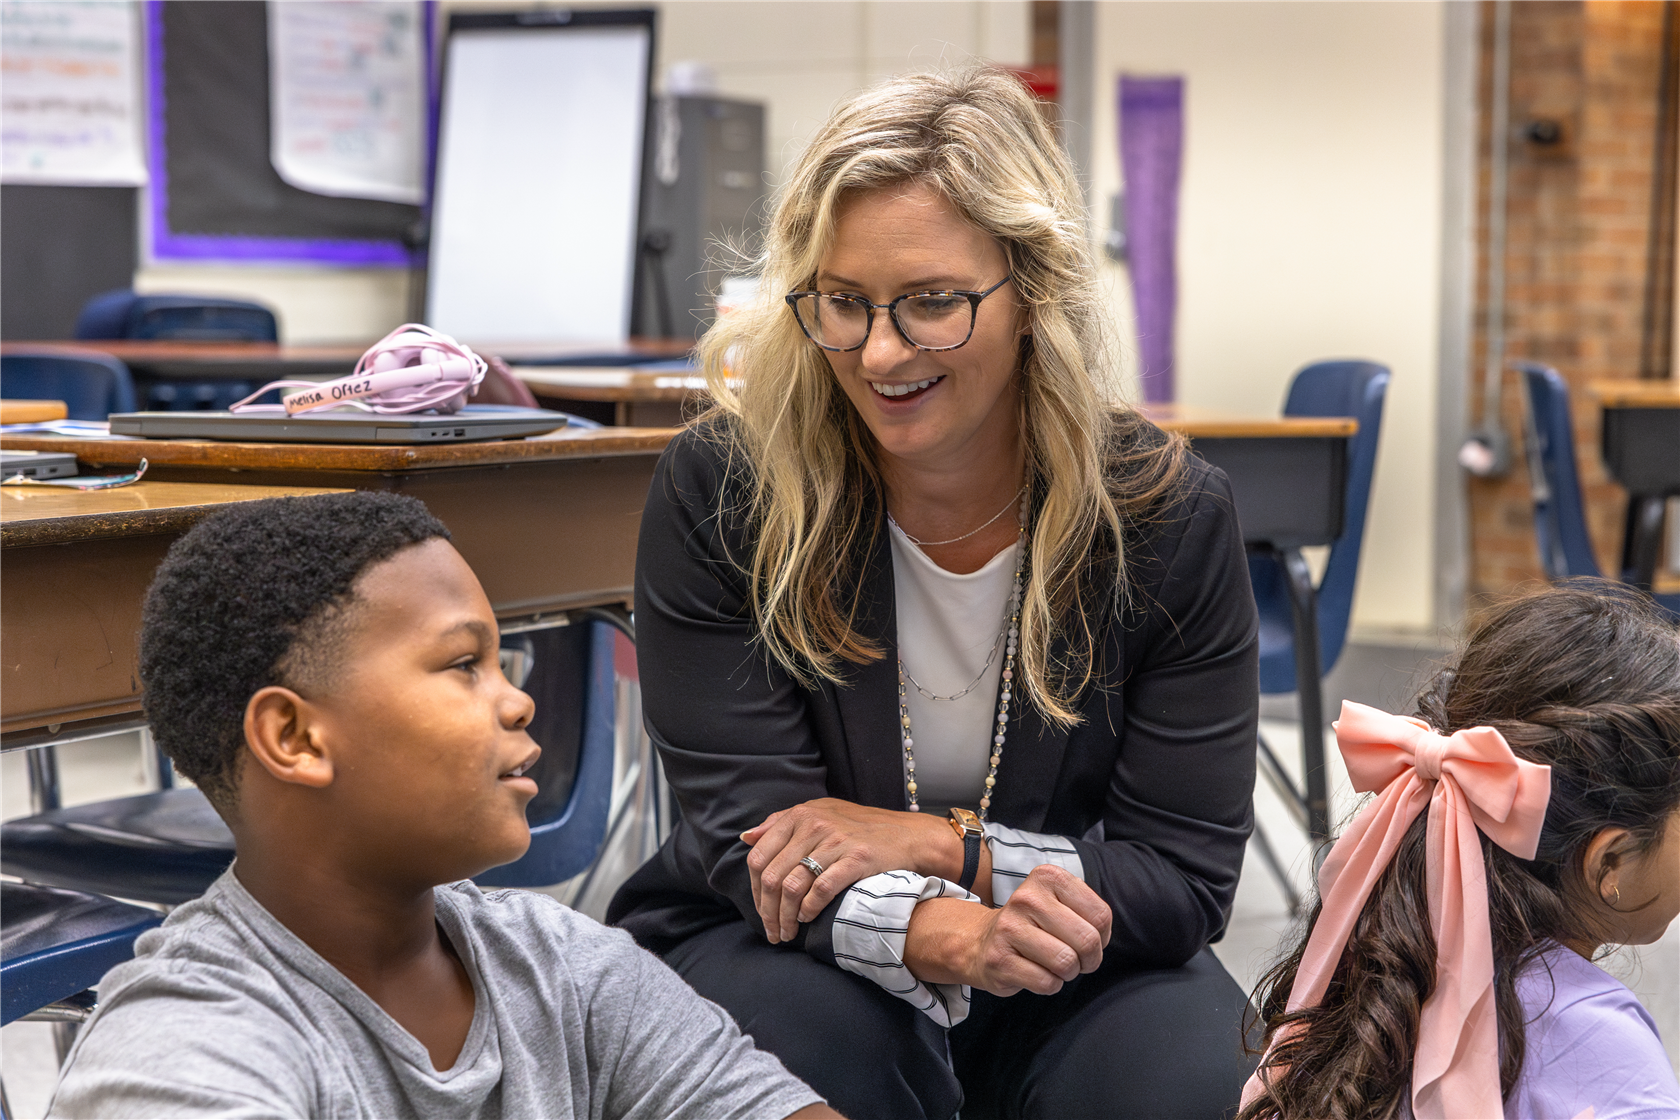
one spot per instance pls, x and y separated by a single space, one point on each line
282 735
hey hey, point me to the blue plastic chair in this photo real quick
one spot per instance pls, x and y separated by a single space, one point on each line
1335 388
56 944
126 314
571 680
1560 521
165 847
1345 388
91 385
187 396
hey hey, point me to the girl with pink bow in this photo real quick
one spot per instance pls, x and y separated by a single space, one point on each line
1528 818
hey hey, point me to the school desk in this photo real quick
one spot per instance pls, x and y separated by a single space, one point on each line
1640 441
1289 483
31 412
1288 478
549 524
1288 472
76 568
621 396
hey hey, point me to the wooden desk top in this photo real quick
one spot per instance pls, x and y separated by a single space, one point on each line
1631 393
31 412
1204 423
567 443
607 384
610 384
158 354
141 350
536 351
36 515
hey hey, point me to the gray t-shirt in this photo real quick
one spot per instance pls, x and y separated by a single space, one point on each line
225 1012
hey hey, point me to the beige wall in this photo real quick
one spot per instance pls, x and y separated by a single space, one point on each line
1310 226
798 58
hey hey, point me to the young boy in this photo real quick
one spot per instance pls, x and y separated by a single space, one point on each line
326 670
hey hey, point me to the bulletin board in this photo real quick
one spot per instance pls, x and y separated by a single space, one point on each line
215 194
71 163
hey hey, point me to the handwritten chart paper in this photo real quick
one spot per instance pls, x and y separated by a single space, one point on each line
346 97
69 102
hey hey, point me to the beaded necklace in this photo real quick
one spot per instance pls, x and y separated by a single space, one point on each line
1011 636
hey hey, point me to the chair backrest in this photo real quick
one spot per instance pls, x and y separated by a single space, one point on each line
188 396
57 943
91 385
105 315
125 314
1334 388
1560 524
572 683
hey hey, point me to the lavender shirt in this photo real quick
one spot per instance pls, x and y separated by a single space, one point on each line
1591 1045
1593 1050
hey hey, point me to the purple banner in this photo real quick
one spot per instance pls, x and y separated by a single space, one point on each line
1151 155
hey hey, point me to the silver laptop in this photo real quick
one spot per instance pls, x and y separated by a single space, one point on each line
475 422
37 464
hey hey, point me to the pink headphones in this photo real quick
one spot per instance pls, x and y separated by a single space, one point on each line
412 369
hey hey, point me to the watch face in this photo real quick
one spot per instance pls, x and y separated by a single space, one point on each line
965 820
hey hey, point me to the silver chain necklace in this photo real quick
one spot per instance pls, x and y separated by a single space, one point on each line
972 685
965 536
1012 636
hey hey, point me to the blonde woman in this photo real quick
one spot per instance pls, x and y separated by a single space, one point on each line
951 663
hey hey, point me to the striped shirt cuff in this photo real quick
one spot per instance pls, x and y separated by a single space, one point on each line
1015 853
869 932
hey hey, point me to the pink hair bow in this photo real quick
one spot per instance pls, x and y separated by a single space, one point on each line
1469 780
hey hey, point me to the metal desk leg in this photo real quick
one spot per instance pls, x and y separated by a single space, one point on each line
1642 539
1303 601
44 795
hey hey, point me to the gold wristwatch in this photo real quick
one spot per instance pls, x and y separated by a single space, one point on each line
966 824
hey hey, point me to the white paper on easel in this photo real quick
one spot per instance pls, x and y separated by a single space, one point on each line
346 85
69 114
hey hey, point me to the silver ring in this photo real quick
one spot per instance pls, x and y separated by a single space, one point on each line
816 868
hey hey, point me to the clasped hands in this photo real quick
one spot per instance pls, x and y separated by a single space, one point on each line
1052 929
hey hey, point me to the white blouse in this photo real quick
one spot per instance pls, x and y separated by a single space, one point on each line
947 626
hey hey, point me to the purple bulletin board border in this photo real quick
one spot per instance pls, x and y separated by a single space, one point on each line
167 245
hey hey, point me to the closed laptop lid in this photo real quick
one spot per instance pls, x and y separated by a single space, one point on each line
37 464
349 425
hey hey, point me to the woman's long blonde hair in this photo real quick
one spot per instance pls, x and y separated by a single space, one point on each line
980 139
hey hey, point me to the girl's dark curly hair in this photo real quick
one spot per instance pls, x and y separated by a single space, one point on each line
1584 678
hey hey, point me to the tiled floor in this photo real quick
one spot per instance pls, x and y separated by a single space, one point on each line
1384 674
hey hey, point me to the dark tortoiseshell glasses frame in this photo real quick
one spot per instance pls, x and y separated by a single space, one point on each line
891 308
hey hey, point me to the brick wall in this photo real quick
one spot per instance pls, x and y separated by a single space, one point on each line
1578 225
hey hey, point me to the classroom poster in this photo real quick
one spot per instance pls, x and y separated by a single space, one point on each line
347 97
69 93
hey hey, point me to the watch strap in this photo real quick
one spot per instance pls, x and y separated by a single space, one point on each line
971 860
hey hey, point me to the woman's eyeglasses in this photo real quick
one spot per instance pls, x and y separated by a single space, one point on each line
926 320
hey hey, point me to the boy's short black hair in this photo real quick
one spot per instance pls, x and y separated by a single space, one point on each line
246 600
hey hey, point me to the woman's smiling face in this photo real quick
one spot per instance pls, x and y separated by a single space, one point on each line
908 238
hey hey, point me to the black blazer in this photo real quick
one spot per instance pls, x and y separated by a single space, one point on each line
1163 760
